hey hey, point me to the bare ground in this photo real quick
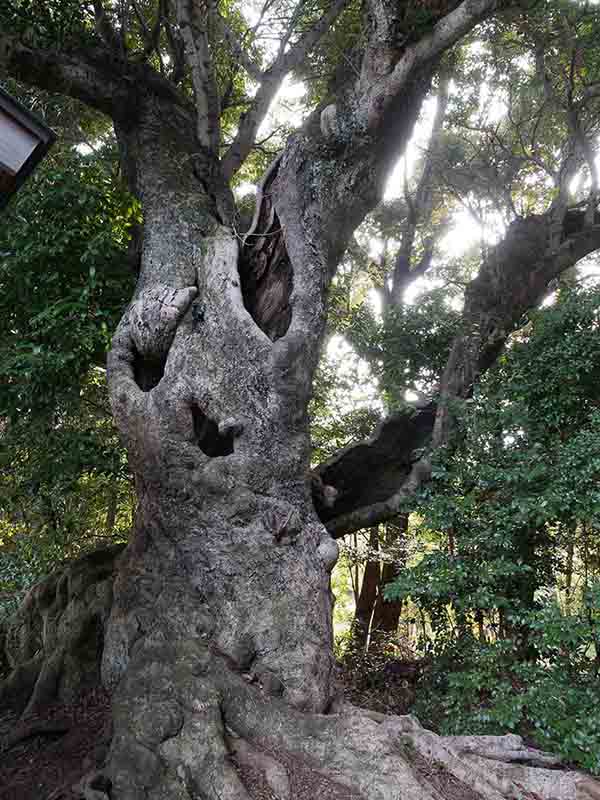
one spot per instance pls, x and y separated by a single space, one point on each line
42 764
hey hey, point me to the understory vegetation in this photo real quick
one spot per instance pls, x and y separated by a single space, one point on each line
64 481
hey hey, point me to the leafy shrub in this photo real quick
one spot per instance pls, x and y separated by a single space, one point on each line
482 688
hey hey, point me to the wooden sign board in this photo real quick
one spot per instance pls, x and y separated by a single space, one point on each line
24 141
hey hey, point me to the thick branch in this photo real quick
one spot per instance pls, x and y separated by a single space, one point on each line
512 280
197 53
380 91
333 173
385 457
365 129
95 77
175 44
250 122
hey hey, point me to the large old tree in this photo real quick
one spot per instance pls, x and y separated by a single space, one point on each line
216 632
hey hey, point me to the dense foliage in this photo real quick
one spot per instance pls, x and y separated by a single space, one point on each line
64 277
506 560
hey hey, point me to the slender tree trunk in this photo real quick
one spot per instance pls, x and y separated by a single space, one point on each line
111 510
522 590
355 570
479 619
386 614
368 594
569 571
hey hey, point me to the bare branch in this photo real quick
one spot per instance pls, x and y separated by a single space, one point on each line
236 47
376 96
272 80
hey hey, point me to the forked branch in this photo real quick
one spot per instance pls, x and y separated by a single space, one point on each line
272 79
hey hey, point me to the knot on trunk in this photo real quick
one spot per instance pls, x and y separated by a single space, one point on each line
328 552
153 320
154 317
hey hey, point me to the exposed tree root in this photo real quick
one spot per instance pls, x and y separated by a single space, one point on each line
274 773
376 758
38 728
91 787
51 647
188 723
181 713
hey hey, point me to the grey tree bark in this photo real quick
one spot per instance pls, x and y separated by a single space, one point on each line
220 615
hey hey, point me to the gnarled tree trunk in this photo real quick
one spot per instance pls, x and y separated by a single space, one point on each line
228 559
218 640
